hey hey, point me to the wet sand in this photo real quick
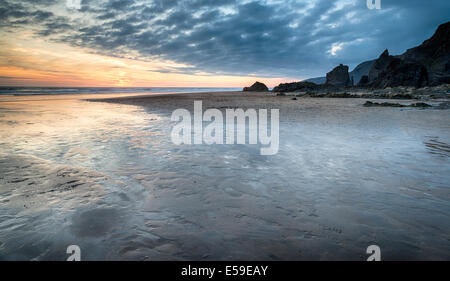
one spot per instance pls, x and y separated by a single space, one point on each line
105 176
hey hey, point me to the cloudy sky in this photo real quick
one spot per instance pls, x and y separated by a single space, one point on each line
201 42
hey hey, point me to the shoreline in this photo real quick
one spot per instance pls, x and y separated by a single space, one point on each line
289 101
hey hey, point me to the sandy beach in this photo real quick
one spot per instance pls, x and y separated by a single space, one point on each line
105 175
219 133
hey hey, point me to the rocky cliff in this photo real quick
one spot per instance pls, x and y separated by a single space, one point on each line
434 55
380 65
427 64
401 73
424 65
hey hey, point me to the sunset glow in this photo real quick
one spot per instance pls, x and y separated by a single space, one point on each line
197 43
26 60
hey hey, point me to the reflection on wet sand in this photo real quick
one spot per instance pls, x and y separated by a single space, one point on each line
106 177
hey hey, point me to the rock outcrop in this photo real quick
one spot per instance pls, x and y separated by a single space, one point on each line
380 65
427 64
296 87
356 74
256 87
434 55
391 71
402 73
338 77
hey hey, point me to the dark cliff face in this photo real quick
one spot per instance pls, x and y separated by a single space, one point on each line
256 87
380 65
427 64
402 73
434 55
390 71
339 76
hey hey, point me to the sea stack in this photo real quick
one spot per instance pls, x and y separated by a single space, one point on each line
339 76
256 87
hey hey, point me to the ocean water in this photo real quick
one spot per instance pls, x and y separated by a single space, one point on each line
107 177
27 91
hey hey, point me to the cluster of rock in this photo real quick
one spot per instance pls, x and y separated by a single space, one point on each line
355 75
390 71
425 65
296 87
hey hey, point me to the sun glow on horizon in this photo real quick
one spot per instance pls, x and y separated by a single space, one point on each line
27 60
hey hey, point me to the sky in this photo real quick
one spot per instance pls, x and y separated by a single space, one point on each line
201 43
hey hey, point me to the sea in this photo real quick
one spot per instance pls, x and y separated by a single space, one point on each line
27 91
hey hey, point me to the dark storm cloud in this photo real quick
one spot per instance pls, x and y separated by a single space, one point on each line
267 38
